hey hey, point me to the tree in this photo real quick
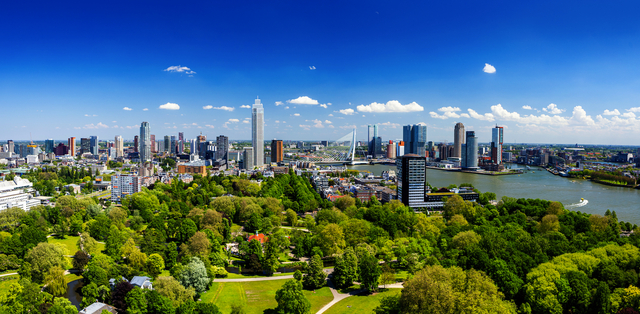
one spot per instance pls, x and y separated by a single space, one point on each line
344 202
80 260
237 309
158 304
291 299
54 279
194 275
549 223
270 261
170 288
137 260
88 244
331 239
199 244
315 276
346 269
136 301
89 294
389 305
118 297
292 218
465 238
43 257
62 306
297 275
601 303
388 275
154 265
369 271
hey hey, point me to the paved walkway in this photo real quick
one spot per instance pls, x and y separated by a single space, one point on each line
9 274
254 279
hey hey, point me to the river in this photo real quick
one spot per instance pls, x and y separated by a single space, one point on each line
539 183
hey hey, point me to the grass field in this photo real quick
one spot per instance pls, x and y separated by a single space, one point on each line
70 243
238 276
71 277
258 296
360 303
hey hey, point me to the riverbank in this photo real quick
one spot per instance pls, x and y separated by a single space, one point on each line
483 172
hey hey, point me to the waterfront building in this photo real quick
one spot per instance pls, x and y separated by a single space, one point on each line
412 179
145 142
257 133
49 146
119 146
94 149
470 151
391 150
375 142
400 149
415 138
458 139
277 152
123 185
85 145
222 148
247 158
497 135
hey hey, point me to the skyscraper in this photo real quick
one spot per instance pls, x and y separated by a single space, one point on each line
167 144
470 151
94 145
400 149
119 145
412 180
415 138
458 139
174 144
49 146
257 133
72 146
11 145
180 142
136 144
145 142
497 135
222 148
247 158
85 145
277 153
391 150
153 143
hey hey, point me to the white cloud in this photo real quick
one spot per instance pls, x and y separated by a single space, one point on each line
485 117
390 106
629 115
465 115
390 124
449 112
279 103
488 68
170 106
127 109
327 121
331 115
634 109
615 112
286 107
277 121
323 106
145 109
100 125
179 69
114 121
553 109
245 107
234 120
207 107
580 117
90 115
306 127
312 67
348 127
527 107
347 111
296 114
225 108
210 126
303 100
317 124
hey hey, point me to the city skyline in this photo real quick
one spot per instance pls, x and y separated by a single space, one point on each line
548 72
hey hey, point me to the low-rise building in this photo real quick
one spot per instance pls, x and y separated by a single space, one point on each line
98 308
194 167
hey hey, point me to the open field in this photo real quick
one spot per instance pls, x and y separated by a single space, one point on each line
70 243
360 303
258 296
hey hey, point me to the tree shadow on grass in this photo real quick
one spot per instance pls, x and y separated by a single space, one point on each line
270 311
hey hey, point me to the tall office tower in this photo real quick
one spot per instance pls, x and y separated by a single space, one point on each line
222 148
119 146
85 145
458 139
277 152
391 150
444 151
375 142
400 149
470 151
247 158
94 145
180 142
145 142
136 144
257 133
167 144
153 144
181 136
497 135
415 138
49 146
412 180
193 148
71 143
12 146
174 144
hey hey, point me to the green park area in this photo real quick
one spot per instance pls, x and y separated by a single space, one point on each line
362 303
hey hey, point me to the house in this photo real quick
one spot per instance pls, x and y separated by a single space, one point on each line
260 237
143 282
97 308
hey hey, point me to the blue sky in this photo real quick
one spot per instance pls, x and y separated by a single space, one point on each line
564 72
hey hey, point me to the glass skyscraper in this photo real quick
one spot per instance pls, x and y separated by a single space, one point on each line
257 133
93 145
145 142
415 139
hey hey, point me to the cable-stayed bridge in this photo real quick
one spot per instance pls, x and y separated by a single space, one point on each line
342 150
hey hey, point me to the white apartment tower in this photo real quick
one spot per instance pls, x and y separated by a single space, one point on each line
119 146
145 142
257 133
123 185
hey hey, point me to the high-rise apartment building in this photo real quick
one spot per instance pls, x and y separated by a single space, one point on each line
470 151
415 138
277 152
49 146
497 136
458 139
95 148
391 150
247 158
85 145
222 148
167 144
400 149
194 147
154 148
257 133
136 144
11 145
174 144
119 146
145 142
71 143
123 185
412 179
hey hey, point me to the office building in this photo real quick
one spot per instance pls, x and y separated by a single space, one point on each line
95 148
12 194
49 146
71 143
119 146
415 138
257 133
154 147
167 144
391 150
277 152
145 142
247 158
180 142
469 158
61 150
412 179
136 144
497 136
174 144
194 167
375 142
324 143
400 149
193 148
85 145
458 139
222 148
11 146
124 185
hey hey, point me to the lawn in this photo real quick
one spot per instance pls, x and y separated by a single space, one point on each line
360 303
258 296
238 276
70 243
71 277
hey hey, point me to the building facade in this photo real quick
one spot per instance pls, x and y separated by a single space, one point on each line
412 179
85 145
277 152
222 148
95 148
497 135
458 139
145 142
123 185
119 146
415 139
469 158
257 133
247 158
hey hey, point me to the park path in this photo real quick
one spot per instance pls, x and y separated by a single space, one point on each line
254 279
9 274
